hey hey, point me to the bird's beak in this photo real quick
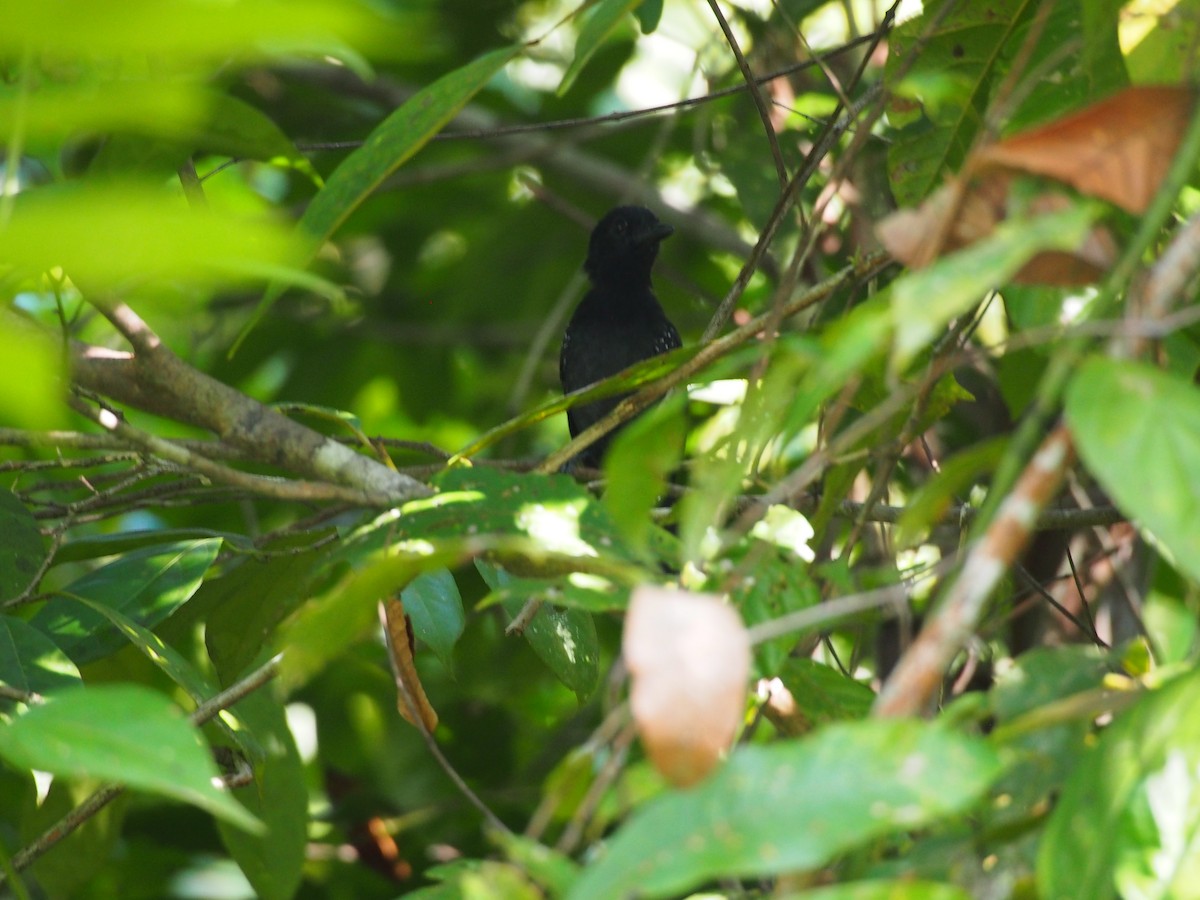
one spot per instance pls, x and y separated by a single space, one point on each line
657 232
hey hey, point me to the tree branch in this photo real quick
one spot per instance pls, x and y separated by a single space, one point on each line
155 380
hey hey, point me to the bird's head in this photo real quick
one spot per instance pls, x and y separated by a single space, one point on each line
624 244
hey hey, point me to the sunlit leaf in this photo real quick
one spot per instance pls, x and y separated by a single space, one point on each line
146 585
278 797
1138 431
1128 821
110 236
182 33
32 379
123 733
923 301
793 805
30 662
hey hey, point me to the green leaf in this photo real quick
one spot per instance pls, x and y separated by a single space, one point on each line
250 600
387 148
183 33
953 65
923 301
145 585
1138 431
1161 56
900 889
434 606
649 14
196 117
548 867
272 861
111 236
573 591
954 478
551 512
564 639
95 546
126 734
643 456
793 806
1128 821
22 550
345 613
602 18
31 379
823 694
163 655
30 662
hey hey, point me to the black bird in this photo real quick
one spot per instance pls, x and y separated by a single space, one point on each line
619 321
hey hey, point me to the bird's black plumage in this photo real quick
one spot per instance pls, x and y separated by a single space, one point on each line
619 322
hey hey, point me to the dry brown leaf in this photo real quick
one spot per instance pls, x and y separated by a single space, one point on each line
409 691
917 236
689 660
1118 149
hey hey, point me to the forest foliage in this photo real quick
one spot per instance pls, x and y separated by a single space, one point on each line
890 590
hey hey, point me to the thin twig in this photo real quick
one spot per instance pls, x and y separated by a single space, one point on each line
764 113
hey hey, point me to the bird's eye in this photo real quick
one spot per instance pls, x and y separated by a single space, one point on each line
621 226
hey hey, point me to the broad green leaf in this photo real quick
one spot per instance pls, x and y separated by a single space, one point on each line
954 63
345 613
1128 821
601 19
96 546
1138 431
923 301
32 377
163 655
196 117
1044 753
649 14
278 798
30 662
387 148
22 550
1161 56
249 600
793 805
900 889
114 236
1172 625
823 694
548 867
564 639
435 608
145 585
580 591
552 513
122 733
183 33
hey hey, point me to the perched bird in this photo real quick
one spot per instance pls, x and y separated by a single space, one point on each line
619 321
